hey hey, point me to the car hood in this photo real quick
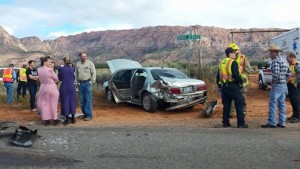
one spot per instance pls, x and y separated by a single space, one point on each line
118 64
181 82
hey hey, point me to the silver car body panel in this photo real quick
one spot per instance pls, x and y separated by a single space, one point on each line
181 82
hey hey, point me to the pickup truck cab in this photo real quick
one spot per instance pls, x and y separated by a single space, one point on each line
265 77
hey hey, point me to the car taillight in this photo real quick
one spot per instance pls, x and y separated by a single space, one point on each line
175 90
201 87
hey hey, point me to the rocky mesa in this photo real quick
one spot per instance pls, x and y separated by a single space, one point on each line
148 45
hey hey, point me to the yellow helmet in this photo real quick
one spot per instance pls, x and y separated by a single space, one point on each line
233 46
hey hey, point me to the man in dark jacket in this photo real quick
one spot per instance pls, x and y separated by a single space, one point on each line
230 82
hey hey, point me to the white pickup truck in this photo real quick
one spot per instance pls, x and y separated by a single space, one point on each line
265 77
288 42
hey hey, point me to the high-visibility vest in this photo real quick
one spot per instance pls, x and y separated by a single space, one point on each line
8 75
293 77
241 62
225 70
22 75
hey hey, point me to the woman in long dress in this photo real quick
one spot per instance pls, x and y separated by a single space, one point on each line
67 90
47 100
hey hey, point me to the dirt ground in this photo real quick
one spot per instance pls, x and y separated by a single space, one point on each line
120 115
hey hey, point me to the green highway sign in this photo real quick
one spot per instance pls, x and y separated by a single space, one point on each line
188 37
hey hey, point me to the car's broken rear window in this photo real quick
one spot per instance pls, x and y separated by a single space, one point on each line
170 73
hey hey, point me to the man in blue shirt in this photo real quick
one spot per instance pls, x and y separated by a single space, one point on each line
9 77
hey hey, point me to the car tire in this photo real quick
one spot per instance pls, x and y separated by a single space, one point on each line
148 103
110 96
261 84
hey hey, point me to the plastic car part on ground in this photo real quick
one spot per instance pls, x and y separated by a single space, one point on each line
210 108
22 136
61 118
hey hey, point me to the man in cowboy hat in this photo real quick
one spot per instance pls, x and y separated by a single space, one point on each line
280 74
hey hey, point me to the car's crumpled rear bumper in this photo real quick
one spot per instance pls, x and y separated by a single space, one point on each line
189 104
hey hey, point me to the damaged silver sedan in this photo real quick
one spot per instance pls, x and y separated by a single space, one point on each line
149 86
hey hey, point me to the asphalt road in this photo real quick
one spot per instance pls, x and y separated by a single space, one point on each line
141 148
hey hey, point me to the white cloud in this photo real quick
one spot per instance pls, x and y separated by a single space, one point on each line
47 18
56 34
111 27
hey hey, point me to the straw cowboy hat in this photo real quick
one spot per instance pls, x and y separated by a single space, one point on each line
275 48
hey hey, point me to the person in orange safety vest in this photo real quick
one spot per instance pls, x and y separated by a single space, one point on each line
9 77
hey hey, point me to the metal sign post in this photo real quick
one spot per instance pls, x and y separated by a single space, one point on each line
190 37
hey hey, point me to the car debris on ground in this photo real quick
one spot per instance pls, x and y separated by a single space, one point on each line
23 136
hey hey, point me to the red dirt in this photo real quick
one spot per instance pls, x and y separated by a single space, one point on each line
117 115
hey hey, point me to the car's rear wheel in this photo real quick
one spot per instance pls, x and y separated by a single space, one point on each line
149 104
110 96
261 84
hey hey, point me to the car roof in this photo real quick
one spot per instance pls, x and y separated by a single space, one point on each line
149 68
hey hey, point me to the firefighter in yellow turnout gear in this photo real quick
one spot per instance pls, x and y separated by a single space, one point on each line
244 69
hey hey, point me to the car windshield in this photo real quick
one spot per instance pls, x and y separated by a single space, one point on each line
169 73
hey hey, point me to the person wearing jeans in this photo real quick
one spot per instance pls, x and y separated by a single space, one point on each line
32 89
277 94
9 91
280 74
85 76
9 76
86 98
32 85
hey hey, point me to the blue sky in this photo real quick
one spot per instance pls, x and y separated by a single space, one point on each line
48 19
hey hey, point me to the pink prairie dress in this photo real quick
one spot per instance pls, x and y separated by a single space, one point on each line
47 99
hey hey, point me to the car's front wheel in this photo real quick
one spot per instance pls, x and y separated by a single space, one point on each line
109 96
149 104
261 84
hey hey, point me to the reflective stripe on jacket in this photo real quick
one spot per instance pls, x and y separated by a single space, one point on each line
225 70
293 77
22 75
241 62
8 75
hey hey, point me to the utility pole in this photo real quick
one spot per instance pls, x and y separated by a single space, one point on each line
200 74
